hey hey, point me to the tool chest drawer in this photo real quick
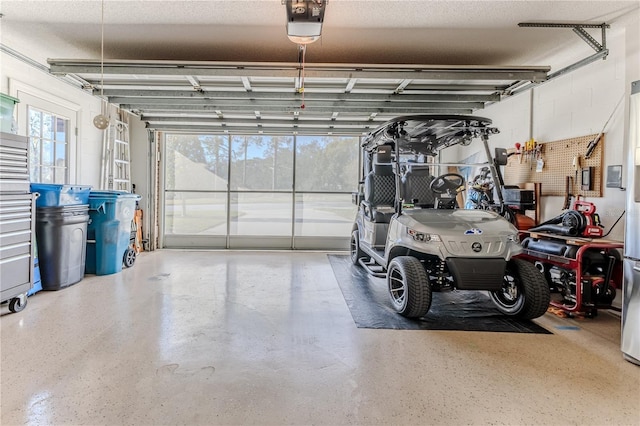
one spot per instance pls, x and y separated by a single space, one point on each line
15 213
14 163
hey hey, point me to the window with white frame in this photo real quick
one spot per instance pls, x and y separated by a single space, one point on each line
49 146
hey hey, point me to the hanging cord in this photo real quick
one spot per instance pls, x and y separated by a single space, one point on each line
616 222
102 49
101 121
301 59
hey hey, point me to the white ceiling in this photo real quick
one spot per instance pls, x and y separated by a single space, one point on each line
374 31
478 33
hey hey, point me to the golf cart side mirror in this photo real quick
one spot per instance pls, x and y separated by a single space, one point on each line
501 156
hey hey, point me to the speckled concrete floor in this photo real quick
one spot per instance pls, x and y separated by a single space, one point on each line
211 338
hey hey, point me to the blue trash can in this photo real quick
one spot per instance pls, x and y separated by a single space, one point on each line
56 195
109 230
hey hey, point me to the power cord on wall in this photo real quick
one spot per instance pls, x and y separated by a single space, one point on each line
614 224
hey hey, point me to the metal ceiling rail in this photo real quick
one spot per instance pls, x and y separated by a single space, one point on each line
367 109
267 104
291 69
262 121
295 117
417 86
240 130
124 96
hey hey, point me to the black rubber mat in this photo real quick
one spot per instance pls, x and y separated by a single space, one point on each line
368 301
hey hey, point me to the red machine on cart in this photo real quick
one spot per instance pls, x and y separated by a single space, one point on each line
583 273
582 269
591 226
579 221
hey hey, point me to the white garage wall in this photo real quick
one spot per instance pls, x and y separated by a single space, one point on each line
19 76
140 169
578 104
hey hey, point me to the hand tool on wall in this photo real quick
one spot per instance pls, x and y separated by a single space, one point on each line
592 145
576 166
567 193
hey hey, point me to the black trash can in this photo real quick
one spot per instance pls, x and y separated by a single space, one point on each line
61 234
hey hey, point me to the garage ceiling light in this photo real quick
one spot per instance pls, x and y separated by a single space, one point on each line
304 19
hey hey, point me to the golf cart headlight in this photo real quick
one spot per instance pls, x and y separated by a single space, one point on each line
514 238
421 236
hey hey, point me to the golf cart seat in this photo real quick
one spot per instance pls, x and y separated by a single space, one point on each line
380 189
416 186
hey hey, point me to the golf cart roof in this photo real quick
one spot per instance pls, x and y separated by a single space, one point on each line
428 134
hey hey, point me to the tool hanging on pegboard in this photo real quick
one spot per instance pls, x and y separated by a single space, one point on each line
531 153
592 145
553 161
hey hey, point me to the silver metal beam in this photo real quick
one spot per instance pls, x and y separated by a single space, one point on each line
586 61
153 121
139 82
319 130
25 59
309 74
455 86
560 25
267 105
124 96
596 56
291 69
578 29
588 38
142 109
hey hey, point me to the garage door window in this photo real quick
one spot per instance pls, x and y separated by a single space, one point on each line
261 163
242 191
196 176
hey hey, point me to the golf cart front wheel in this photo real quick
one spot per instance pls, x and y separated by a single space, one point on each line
525 293
409 287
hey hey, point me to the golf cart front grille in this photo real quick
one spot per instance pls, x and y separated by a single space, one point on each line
464 248
477 274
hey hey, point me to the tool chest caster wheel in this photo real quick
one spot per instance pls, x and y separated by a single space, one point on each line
18 303
129 257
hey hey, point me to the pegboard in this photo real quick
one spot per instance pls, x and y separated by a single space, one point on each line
558 158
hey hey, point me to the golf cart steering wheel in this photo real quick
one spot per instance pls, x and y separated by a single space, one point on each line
447 183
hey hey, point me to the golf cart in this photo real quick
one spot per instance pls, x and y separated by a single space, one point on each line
410 230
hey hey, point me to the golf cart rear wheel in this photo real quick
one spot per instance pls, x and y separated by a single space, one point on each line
525 293
356 252
409 287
